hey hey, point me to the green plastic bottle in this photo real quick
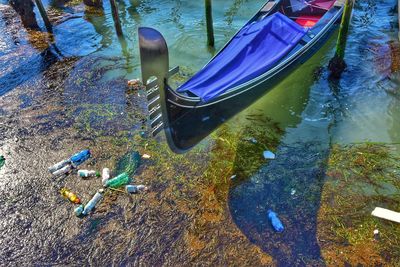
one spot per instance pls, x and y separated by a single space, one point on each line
120 180
2 161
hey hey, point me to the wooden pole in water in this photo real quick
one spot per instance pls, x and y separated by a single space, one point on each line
43 13
115 16
337 64
344 29
209 21
24 8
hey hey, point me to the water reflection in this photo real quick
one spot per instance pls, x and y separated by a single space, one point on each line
290 185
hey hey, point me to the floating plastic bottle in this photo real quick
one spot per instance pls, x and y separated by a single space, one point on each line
87 173
63 170
276 223
118 181
78 211
376 234
59 165
268 154
133 189
70 196
105 175
93 202
2 161
80 157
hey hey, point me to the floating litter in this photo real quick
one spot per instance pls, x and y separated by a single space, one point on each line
386 214
63 170
275 221
70 196
105 175
80 157
268 154
118 181
133 189
93 202
88 173
59 165
78 211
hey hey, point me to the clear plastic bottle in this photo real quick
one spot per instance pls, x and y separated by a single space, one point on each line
59 165
133 189
63 170
93 202
78 210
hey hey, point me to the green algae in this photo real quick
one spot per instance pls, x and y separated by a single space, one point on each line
239 152
359 178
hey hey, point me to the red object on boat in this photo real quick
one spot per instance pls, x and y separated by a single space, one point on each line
307 21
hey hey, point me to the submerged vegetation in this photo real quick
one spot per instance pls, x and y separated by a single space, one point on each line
360 178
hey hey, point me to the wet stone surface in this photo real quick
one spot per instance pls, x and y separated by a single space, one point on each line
183 219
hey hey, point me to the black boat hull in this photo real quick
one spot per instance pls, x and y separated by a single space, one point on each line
187 120
188 126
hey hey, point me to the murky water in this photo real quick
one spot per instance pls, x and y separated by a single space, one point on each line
57 99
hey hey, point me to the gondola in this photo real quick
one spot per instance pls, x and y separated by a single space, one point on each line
282 35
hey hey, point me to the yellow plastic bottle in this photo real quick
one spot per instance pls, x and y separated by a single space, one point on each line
70 196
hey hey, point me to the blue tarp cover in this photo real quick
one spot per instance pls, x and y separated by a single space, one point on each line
253 51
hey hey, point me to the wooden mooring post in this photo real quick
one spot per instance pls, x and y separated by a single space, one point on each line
43 13
24 8
337 64
209 22
115 16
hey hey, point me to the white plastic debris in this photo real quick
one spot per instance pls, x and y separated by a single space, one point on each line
133 189
251 140
146 156
233 177
292 192
268 154
376 234
386 214
105 175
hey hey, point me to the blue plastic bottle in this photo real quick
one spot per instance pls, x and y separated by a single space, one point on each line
80 157
276 223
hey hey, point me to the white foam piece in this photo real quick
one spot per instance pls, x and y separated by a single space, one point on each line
386 214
